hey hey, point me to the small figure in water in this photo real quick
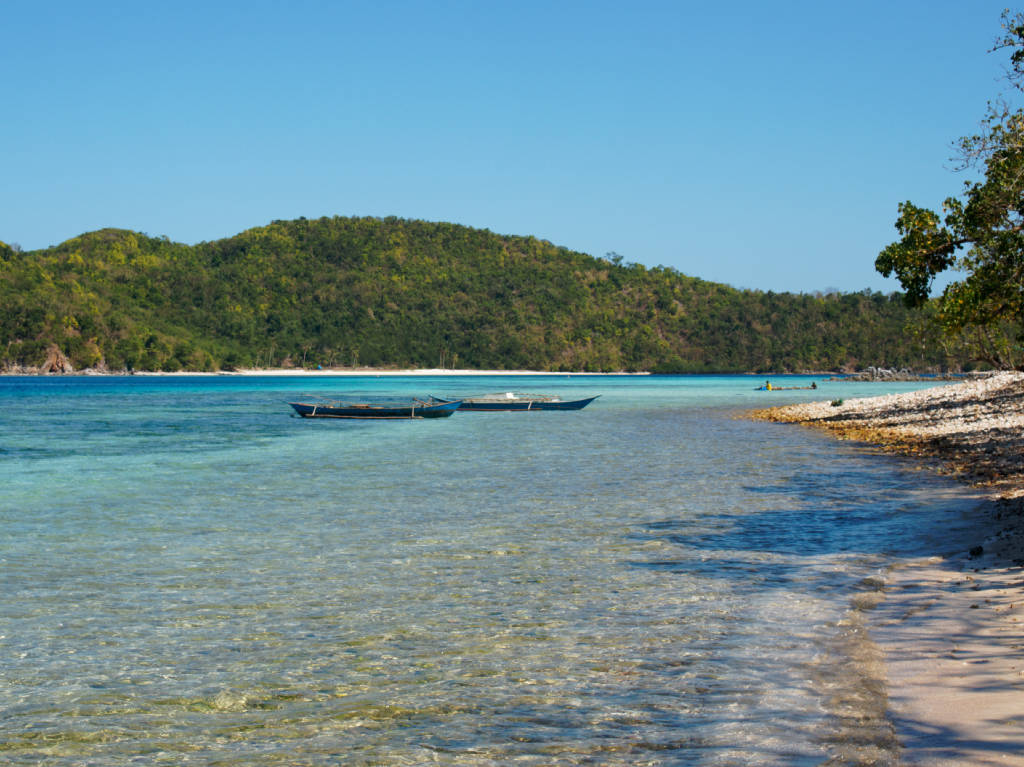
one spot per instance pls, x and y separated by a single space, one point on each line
767 385
814 385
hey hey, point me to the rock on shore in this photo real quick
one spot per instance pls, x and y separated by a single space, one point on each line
890 374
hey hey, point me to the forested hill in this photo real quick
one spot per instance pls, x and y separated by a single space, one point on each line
394 292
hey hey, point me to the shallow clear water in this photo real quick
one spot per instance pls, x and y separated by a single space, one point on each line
190 576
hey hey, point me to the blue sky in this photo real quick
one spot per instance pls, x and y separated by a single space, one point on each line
764 145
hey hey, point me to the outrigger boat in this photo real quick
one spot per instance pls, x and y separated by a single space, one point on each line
416 408
519 401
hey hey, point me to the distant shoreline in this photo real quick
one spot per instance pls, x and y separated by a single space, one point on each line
298 372
401 372
830 375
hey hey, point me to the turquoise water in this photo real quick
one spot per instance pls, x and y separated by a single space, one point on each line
188 575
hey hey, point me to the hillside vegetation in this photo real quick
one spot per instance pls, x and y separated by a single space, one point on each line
394 292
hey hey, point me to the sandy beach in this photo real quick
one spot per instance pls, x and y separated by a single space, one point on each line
409 372
951 626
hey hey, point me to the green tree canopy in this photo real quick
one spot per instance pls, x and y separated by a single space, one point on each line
395 292
981 235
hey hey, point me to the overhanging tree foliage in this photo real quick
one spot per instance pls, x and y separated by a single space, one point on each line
984 309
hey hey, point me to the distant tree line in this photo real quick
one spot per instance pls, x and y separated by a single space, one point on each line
395 292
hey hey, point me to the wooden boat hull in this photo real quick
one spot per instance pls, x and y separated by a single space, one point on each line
435 409
495 406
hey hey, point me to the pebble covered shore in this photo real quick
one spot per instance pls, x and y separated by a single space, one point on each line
973 429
